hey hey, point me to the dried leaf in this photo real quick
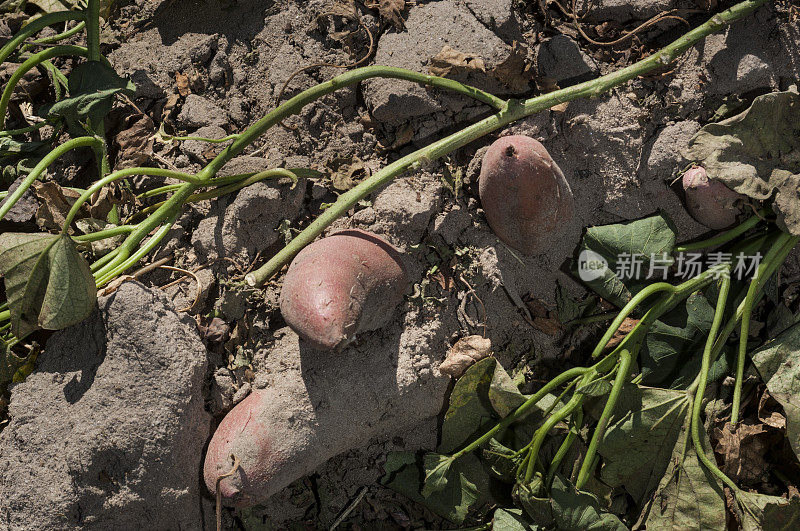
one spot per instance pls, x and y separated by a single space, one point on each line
449 60
464 353
54 204
182 82
623 330
347 174
741 452
390 12
403 136
515 71
135 143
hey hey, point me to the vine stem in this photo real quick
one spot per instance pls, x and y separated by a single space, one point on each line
36 26
120 174
722 238
625 359
11 200
772 261
705 366
93 29
31 62
522 410
514 110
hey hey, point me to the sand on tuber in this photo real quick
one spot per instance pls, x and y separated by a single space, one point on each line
524 193
346 283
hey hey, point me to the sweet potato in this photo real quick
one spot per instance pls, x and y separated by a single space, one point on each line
314 408
343 284
710 203
523 193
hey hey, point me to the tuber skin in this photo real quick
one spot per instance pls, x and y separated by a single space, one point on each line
314 408
710 203
346 283
524 194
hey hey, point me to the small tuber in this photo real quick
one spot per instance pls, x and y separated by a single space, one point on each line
710 203
524 193
346 283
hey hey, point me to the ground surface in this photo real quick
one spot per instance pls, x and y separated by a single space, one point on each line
211 68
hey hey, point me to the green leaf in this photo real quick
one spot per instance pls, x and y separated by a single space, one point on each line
504 394
536 507
48 283
470 410
675 339
501 460
688 496
436 468
778 363
568 308
574 509
11 150
639 442
466 487
511 520
757 153
92 87
595 388
760 511
10 363
607 254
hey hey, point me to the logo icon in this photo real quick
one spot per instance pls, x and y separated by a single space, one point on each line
591 265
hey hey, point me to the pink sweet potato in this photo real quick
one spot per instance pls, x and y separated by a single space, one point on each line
343 284
314 408
524 193
710 203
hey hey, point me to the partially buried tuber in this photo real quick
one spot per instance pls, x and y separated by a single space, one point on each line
524 193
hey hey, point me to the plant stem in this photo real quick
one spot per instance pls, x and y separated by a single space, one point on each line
34 27
120 174
77 28
541 432
569 440
773 259
626 357
513 111
522 410
721 238
247 181
104 234
93 29
635 301
11 200
705 366
31 62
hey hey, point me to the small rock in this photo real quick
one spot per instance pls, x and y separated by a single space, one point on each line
449 225
498 15
560 60
198 112
395 102
108 431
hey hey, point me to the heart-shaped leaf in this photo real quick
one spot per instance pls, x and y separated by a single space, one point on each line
618 260
92 87
48 283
